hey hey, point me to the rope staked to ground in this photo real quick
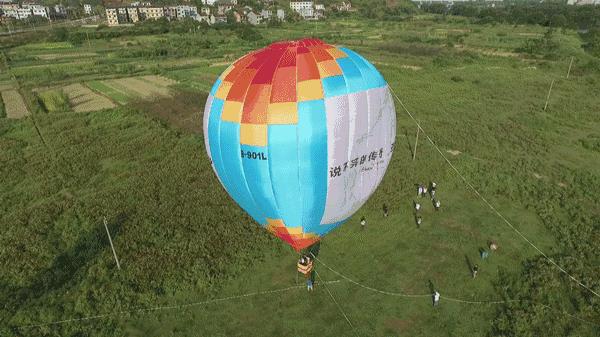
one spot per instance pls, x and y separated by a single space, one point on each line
367 287
165 307
488 203
337 304
450 299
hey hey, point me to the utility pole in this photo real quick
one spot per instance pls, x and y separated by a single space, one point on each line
548 98
416 142
570 65
111 244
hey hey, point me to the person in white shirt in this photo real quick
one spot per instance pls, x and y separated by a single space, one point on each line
436 298
417 206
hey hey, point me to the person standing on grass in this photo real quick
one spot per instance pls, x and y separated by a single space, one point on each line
309 281
437 204
417 206
385 211
363 222
432 188
419 220
475 270
420 190
436 298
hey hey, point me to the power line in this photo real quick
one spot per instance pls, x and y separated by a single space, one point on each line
487 202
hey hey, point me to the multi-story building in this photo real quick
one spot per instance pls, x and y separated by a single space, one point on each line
170 12
306 9
60 10
132 15
254 19
266 14
112 17
205 10
281 14
150 13
224 8
209 2
120 15
37 10
87 9
186 11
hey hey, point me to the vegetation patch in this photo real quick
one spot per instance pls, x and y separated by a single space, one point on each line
105 89
82 99
183 110
55 101
13 104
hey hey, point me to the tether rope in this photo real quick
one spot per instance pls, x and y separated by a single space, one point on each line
337 304
487 202
367 287
447 298
165 307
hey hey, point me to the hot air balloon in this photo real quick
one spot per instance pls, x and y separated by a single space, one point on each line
300 134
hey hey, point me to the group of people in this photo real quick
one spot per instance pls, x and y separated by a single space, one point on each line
423 191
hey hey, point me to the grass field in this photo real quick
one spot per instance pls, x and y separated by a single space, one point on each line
181 241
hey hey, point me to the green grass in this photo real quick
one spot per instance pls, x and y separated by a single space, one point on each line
118 96
55 101
181 239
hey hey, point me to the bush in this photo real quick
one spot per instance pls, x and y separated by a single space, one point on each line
55 101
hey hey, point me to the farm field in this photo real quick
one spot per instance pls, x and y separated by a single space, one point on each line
13 104
123 90
194 264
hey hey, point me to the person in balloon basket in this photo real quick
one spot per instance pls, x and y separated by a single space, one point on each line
305 266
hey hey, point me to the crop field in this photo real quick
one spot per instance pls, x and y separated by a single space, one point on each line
82 99
13 104
192 263
123 90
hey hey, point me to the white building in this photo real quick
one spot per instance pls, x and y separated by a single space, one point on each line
87 8
224 8
60 10
23 13
254 19
37 10
186 11
209 2
266 14
281 14
306 9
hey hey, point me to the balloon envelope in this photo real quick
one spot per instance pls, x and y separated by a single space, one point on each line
300 134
